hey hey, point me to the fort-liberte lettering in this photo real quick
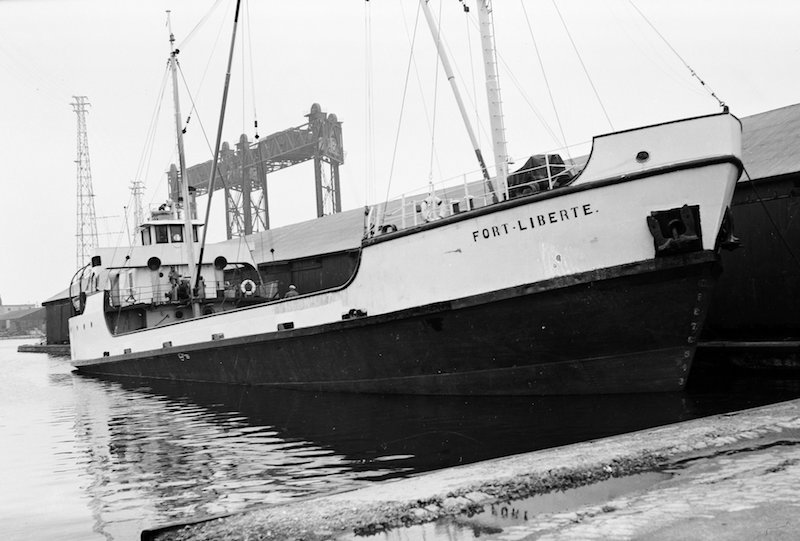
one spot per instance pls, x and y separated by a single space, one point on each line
532 222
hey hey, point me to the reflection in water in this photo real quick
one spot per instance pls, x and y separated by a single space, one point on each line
119 456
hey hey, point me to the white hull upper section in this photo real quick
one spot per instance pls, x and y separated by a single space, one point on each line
558 234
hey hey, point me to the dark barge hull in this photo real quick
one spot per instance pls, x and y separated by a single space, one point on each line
626 329
756 298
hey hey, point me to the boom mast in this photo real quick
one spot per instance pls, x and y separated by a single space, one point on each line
452 80
215 161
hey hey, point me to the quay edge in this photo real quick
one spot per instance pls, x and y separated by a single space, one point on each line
431 496
53 349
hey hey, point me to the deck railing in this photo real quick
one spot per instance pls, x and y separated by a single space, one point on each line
449 197
212 290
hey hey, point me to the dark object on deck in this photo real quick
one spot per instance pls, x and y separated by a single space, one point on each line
535 175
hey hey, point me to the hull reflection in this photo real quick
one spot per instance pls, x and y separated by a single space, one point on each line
393 435
159 452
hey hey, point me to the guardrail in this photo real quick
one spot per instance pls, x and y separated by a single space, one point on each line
449 197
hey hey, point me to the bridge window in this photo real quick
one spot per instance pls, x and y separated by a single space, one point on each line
176 233
146 237
162 234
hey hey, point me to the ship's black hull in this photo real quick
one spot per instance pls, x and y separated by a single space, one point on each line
620 330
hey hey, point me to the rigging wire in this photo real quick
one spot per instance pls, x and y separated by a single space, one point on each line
786 244
43 82
580 59
412 42
645 43
402 102
199 24
472 72
145 158
369 158
205 70
249 37
671 48
544 76
435 93
147 151
244 82
194 108
474 89
520 88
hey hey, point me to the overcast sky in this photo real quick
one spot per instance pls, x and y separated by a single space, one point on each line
291 54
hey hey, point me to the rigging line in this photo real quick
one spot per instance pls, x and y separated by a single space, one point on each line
214 160
527 100
199 120
118 244
252 70
369 158
771 220
544 76
244 87
44 81
154 129
205 70
671 48
509 72
402 104
648 45
457 71
586 71
199 24
170 161
435 92
147 151
126 229
472 72
416 67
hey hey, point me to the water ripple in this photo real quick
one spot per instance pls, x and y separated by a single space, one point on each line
102 459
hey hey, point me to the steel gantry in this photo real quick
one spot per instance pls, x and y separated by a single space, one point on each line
243 171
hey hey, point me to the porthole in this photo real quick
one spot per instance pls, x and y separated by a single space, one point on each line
642 156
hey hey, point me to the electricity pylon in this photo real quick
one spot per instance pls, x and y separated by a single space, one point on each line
86 233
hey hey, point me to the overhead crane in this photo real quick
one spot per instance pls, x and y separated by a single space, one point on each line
243 171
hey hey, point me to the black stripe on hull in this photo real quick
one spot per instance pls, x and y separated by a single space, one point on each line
621 330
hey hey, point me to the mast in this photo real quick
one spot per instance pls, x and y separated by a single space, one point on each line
215 161
493 95
452 80
188 237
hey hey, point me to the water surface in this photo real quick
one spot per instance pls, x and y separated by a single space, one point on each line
85 458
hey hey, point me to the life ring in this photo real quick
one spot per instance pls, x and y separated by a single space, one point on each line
430 207
248 287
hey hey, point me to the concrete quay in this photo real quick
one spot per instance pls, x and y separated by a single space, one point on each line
729 476
53 349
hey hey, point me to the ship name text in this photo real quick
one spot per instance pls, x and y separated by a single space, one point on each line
533 222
